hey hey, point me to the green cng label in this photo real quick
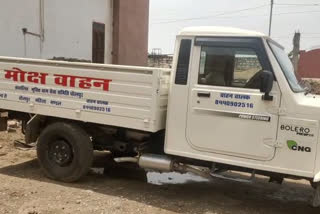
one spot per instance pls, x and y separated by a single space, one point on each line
293 145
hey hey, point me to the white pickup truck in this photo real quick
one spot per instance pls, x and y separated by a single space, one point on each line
231 102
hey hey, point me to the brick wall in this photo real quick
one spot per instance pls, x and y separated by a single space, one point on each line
309 64
160 61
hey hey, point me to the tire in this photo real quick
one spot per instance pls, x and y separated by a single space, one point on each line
65 152
316 197
313 185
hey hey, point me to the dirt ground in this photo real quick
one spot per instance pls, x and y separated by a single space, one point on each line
25 190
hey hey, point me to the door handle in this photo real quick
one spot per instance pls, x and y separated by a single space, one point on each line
204 94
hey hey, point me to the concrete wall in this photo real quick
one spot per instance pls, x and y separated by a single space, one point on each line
131 25
14 17
309 64
67 28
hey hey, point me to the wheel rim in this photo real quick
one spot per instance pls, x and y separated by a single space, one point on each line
60 153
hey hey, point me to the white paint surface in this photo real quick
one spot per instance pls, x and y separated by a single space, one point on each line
67 28
216 31
127 96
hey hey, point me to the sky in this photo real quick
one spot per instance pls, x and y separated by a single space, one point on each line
168 17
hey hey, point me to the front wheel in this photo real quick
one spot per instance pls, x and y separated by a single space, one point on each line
316 197
65 152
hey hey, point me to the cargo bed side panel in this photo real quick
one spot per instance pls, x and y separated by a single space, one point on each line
124 96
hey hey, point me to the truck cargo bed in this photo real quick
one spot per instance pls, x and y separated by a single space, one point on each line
123 96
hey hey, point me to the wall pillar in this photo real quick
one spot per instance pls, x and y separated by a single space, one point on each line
130 32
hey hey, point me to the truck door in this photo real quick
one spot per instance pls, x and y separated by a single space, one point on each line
226 112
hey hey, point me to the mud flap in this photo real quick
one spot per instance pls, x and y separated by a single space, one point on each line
316 197
32 131
3 121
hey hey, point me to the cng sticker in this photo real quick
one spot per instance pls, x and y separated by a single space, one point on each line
293 145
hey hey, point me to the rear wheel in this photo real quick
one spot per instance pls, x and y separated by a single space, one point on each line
65 152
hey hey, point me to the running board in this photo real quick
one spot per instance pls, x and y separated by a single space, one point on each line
250 180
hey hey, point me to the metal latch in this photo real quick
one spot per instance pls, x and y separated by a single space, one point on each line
146 122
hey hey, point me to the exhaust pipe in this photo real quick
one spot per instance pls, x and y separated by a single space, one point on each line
163 163
156 162
150 162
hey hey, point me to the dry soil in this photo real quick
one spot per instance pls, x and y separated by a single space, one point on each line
24 189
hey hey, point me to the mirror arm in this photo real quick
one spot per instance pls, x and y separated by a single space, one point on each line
266 85
267 97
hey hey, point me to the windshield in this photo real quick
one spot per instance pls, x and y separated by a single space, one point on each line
286 66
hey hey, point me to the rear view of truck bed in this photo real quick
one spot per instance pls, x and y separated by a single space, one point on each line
122 96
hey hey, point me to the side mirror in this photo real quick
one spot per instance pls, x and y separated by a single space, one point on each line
267 79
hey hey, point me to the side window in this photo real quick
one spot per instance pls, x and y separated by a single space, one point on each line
232 67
